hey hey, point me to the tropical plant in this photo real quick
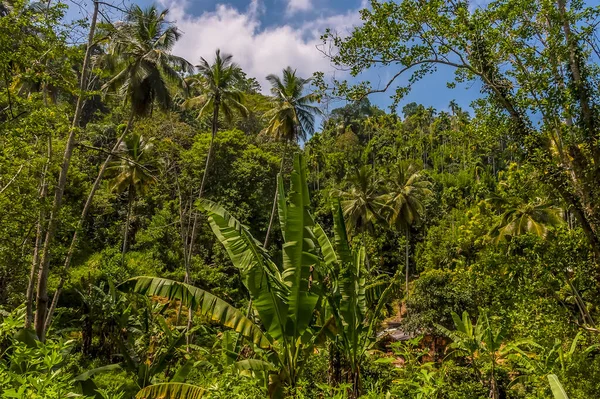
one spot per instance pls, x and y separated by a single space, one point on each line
219 87
133 173
481 344
362 202
557 389
292 117
356 307
530 218
144 71
140 51
404 204
284 296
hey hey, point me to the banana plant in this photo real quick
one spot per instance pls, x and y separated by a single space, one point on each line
355 306
481 344
557 389
284 295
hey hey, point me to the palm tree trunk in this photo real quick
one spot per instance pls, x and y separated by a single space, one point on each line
38 239
42 285
84 212
406 257
190 250
127 222
274 208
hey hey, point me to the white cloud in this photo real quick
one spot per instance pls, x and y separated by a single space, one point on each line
298 5
259 50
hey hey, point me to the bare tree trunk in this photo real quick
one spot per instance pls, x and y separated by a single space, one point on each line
407 257
192 238
127 222
84 212
42 286
38 239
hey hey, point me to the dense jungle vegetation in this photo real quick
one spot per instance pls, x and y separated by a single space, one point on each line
169 229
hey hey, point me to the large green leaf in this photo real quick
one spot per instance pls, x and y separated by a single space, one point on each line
329 255
171 390
202 301
254 365
261 275
299 257
342 244
557 389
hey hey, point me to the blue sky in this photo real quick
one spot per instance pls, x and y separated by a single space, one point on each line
265 36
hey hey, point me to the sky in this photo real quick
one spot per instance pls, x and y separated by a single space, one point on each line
265 36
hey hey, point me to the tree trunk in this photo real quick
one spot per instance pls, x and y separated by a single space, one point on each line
406 259
84 212
38 239
192 238
127 222
42 285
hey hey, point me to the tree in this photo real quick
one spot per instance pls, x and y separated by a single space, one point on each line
284 295
42 268
133 174
481 343
363 202
538 75
218 84
355 305
530 218
139 52
404 203
292 117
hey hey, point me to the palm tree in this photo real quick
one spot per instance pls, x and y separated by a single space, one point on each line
145 71
404 203
218 84
526 218
292 117
140 50
284 294
133 174
363 202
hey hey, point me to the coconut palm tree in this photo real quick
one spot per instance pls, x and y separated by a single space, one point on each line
220 93
292 117
363 202
140 52
145 72
133 174
534 217
404 203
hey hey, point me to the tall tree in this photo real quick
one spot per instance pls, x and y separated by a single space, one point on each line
404 204
44 259
292 117
363 201
219 85
133 174
536 61
139 51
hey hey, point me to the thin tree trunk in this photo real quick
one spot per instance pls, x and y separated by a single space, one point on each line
127 222
274 208
215 128
38 239
84 212
406 257
42 286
